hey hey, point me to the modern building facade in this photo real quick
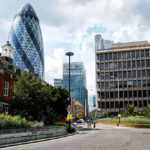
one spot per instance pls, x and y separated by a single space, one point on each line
58 83
100 43
78 89
26 39
123 76
92 102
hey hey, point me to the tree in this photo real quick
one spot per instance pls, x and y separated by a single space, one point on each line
146 111
36 100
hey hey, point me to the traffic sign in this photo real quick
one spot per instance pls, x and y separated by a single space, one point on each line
69 109
69 116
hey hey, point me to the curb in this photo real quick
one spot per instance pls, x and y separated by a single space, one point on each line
40 140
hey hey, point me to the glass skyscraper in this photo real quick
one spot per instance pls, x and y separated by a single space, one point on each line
26 39
78 89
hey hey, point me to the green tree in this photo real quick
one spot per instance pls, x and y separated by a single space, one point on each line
36 100
146 111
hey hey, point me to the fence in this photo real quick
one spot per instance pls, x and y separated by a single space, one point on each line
23 135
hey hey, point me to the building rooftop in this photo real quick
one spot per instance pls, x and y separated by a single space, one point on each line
130 44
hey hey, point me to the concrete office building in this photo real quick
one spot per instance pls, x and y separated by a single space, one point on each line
124 68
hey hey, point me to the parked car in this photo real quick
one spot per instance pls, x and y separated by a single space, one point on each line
80 121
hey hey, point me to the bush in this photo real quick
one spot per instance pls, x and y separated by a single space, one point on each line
146 111
12 122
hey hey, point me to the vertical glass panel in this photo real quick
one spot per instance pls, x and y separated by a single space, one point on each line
148 83
137 54
147 52
139 83
110 56
116 84
130 94
123 55
147 63
106 85
129 74
148 72
119 55
102 85
143 73
133 54
130 83
106 66
115 65
119 65
106 75
101 66
120 74
120 84
134 93
111 84
111 75
142 63
101 57
133 64
106 56
115 75
102 76
124 64
144 83
124 74
133 73
128 64
139 93
138 63
125 94
115 55
128 55
134 84
125 84
138 73
142 53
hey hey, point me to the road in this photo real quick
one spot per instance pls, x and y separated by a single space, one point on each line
102 138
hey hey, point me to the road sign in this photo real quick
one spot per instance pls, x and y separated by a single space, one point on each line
69 116
69 109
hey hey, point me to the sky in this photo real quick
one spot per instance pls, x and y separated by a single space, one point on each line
71 25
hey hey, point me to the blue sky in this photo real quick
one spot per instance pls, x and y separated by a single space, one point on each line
70 25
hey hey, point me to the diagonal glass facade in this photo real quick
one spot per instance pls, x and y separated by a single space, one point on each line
26 39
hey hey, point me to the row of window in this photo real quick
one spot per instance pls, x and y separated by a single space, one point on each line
124 65
124 74
124 84
112 105
124 94
123 55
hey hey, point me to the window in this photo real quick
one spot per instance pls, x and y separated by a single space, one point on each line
110 56
119 55
101 57
106 75
142 53
102 76
142 63
120 74
125 94
133 54
129 74
147 63
133 64
147 52
129 64
6 88
124 84
144 83
138 63
134 93
114 55
106 56
143 73
124 74
124 64
101 66
106 85
124 55
148 72
134 83
130 83
119 65
128 55
106 66
112 104
102 85
133 73
138 73
139 83
137 54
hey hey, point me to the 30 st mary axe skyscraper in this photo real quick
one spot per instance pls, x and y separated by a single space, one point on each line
26 39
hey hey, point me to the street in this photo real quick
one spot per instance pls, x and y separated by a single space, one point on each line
101 138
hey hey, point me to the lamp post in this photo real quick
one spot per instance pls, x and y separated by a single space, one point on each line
118 101
69 54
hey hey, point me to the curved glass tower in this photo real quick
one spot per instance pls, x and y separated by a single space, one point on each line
26 39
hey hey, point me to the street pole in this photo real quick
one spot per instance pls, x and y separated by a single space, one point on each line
69 54
118 103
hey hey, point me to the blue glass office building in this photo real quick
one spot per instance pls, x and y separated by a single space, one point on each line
26 39
78 89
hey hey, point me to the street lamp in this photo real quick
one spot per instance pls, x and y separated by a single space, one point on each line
69 54
118 100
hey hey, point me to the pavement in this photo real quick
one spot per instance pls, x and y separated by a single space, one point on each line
103 137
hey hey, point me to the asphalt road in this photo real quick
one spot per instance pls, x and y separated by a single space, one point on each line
102 138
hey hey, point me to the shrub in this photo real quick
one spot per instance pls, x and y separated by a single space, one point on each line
12 122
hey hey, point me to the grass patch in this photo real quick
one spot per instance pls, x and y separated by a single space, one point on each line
128 122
